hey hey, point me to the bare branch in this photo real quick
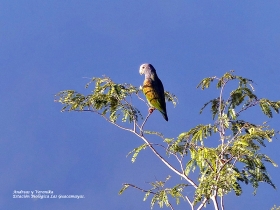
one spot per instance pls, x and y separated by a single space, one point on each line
202 204
144 122
149 144
138 188
214 199
254 103
119 126
142 99
231 140
146 191
134 125
192 206
165 162
180 162
221 110
223 165
207 161
222 202
170 206
159 145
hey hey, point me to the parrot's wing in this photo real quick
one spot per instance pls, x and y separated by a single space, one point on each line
154 92
160 93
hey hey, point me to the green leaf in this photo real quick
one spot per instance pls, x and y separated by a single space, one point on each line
265 108
136 152
125 186
107 98
146 195
232 113
205 83
171 97
190 166
215 103
154 133
200 132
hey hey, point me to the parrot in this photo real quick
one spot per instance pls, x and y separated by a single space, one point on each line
153 89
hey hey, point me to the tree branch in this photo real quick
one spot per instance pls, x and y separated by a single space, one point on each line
222 202
150 146
214 199
165 162
189 202
202 204
254 103
222 131
138 188
144 122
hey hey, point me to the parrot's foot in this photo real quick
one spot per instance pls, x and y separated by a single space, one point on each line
151 109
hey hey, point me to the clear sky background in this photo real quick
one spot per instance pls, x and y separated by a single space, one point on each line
48 46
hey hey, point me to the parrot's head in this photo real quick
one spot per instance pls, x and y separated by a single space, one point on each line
147 68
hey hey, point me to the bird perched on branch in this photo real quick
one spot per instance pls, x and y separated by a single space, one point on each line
153 89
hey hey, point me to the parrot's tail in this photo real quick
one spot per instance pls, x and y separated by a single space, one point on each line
164 114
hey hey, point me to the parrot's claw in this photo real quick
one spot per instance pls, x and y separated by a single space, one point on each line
151 109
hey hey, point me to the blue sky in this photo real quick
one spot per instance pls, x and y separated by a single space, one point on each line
48 46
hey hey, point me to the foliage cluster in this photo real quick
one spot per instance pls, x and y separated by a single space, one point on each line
236 159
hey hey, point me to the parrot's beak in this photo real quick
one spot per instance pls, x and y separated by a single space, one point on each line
141 70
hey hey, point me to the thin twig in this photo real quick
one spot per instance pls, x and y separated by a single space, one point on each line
214 199
180 162
138 188
146 191
159 145
222 131
222 202
110 121
151 147
165 162
187 144
222 136
207 161
232 139
223 165
170 206
189 202
134 116
254 103
144 122
202 204
234 162
142 99
134 125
